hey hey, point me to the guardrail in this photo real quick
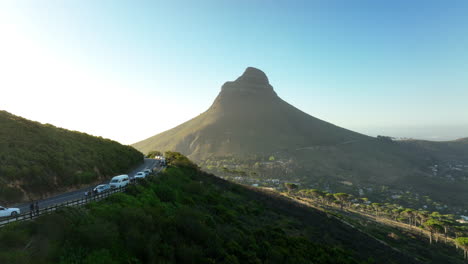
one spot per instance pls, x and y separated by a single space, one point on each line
47 210
77 202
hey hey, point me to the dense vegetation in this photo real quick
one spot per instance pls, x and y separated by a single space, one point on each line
187 216
37 159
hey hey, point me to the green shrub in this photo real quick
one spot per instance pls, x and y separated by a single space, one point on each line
8 193
43 158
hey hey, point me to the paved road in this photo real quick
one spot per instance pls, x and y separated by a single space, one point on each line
147 164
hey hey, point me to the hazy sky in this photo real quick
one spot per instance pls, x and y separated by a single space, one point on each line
127 70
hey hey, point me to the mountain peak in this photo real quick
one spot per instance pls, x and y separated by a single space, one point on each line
252 80
254 75
247 118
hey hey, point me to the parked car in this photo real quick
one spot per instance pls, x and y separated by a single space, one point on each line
5 211
101 188
140 175
119 181
147 172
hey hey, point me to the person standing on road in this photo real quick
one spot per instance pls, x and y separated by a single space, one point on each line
37 208
31 209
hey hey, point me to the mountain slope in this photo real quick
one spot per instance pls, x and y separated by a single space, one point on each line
37 160
251 135
248 117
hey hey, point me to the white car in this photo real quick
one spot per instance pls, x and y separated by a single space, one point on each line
101 188
147 172
5 211
140 175
119 181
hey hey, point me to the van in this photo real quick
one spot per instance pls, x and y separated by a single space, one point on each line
119 181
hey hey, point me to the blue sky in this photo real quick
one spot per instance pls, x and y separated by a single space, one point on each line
127 70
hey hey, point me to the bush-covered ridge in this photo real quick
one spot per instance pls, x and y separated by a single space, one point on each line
38 159
187 216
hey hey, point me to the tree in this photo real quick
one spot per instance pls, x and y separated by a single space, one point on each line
364 200
421 215
342 198
329 198
434 226
377 207
436 215
462 242
317 194
395 213
410 214
448 221
290 186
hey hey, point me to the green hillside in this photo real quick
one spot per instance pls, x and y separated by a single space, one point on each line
248 124
188 216
37 160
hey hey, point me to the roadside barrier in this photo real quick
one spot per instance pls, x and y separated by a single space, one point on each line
77 202
47 210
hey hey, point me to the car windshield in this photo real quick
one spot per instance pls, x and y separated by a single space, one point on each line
115 180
